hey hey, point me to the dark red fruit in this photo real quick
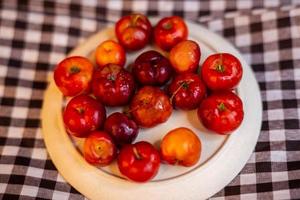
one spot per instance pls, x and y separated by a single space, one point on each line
123 129
152 68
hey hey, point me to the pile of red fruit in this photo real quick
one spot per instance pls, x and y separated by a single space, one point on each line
154 86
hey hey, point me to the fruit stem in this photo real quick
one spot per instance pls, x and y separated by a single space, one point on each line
134 19
167 26
127 112
108 50
220 68
184 84
142 102
136 153
221 107
74 70
80 110
111 78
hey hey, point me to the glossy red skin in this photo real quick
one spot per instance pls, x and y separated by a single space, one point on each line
169 31
185 57
74 82
82 115
99 149
218 80
123 129
142 168
113 85
133 31
187 91
222 122
150 106
108 52
152 68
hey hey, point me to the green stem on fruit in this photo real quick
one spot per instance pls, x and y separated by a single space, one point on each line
134 19
74 70
111 78
167 25
141 103
80 110
220 67
127 112
221 107
184 84
136 153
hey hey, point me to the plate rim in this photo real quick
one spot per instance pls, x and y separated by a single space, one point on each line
169 185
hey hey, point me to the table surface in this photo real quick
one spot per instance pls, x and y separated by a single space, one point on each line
36 35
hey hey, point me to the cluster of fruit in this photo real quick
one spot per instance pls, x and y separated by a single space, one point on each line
110 84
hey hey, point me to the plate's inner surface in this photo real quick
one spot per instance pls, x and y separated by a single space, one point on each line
211 142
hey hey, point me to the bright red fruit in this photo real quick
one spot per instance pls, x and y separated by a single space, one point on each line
113 85
133 31
73 75
221 112
185 57
169 31
82 115
187 91
152 68
123 129
150 106
221 71
110 52
99 148
139 162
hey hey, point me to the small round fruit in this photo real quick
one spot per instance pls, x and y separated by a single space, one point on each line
73 75
139 162
133 31
150 106
221 112
110 52
181 146
99 149
82 115
187 91
152 68
221 71
185 57
169 31
123 129
113 85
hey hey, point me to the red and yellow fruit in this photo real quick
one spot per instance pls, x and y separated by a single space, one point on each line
181 146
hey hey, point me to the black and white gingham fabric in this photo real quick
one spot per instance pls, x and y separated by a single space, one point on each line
35 35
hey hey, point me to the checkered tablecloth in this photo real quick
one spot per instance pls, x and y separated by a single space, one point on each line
35 35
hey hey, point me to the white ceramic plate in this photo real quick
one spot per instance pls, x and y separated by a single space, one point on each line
222 156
